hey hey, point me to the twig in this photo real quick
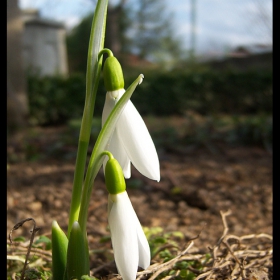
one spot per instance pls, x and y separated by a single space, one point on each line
240 264
158 269
216 247
223 214
236 264
93 271
33 232
249 236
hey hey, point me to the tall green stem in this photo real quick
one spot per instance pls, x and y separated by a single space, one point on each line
94 64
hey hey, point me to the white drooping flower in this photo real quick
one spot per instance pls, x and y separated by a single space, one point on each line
130 245
131 141
131 248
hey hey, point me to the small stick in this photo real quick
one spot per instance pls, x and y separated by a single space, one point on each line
34 230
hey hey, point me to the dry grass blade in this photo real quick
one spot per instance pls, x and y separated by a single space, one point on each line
20 249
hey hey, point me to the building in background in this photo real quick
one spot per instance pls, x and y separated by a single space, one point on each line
33 44
44 45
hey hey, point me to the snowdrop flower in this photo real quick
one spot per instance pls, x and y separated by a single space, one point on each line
131 141
131 248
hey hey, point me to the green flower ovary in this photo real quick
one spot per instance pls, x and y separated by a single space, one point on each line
113 75
114 178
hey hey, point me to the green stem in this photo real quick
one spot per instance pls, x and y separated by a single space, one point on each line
107 51
94 64
107 153
77 184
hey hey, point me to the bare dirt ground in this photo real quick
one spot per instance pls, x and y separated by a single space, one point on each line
195 186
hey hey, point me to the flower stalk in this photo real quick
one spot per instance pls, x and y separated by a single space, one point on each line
94 64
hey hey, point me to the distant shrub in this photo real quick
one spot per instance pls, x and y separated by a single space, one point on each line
54 100
205 92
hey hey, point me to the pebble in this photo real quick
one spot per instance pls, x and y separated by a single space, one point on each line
35 206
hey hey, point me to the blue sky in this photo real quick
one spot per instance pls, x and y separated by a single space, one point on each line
220 24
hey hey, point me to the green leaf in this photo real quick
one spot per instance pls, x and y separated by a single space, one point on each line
19 239
45 241
96 44
86 277
77 254
59 251
159 239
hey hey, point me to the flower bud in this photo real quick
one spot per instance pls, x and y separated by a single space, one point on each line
113 75
114 178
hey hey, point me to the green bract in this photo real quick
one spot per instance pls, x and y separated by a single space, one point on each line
114 178
59 251
113 75
77 254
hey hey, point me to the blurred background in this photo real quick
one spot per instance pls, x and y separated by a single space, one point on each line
204 61
206 100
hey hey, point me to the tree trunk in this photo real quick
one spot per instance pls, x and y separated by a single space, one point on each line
17 103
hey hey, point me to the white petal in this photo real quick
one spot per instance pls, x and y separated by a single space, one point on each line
143 247
108 107
137 142
114 145
123 235
111 99
125 219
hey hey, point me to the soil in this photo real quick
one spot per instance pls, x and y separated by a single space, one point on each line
195 186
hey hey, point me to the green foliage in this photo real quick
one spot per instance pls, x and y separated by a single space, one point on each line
192 130
33 274
77 254
205 91
208 131
77 45
54 100
255 130
43 242
39 265
86 277
59 251
158 241
19 239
